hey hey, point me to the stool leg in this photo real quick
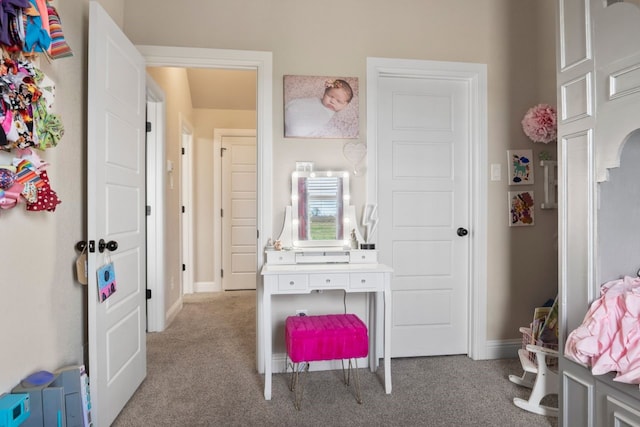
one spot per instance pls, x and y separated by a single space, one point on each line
357 380
346 374
299 390
294 378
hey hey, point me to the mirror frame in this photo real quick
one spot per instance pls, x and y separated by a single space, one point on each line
295 220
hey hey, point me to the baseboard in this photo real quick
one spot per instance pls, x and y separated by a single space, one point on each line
206 287
503 349
279 364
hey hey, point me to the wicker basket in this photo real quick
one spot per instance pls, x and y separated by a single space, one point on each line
528 339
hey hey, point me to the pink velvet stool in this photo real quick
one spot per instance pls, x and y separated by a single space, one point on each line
326 337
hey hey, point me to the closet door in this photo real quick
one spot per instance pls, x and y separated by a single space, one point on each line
423 197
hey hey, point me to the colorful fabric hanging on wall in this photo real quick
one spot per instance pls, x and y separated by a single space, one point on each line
32 26
28 28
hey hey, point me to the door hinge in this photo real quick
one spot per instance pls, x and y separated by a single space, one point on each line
148 210
221 213
183 209
221 273
183 151
184 267
257 234
148 293
148 127
222 150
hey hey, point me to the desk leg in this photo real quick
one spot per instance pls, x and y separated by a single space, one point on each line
387 334
267 343
373 331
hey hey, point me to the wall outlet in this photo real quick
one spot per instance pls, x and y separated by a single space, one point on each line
302 312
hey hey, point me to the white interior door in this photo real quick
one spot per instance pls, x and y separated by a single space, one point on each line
239 232
115 212
423 188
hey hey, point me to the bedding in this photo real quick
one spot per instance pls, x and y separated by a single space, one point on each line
608 340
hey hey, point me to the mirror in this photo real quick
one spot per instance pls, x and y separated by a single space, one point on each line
318 204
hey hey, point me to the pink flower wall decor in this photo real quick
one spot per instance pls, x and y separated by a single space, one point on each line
540 123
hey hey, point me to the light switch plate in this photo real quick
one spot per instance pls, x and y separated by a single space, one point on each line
496 172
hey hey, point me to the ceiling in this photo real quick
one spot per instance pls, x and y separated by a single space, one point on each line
222 89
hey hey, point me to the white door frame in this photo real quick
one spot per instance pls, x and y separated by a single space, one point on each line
262 63
218 134
186 197
476 76
156 184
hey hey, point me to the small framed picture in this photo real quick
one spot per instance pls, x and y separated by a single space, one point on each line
321 107
521 208
520 165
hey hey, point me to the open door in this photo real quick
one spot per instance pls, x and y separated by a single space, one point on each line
115 213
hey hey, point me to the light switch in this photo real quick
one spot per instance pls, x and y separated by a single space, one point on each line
496 172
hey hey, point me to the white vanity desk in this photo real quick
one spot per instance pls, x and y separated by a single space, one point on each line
375 279
317 231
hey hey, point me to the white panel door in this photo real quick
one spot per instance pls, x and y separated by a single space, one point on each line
423 173
239 232
115 212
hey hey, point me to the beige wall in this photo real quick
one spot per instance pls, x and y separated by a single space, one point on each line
515 40
42 314
42 308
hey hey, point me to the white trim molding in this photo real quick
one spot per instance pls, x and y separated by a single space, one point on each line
156 184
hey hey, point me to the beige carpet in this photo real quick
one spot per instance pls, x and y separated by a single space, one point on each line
201 372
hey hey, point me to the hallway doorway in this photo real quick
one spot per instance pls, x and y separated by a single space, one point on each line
261 63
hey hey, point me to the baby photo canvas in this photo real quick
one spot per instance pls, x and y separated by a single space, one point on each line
321 107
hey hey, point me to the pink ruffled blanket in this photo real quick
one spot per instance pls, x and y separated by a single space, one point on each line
608 340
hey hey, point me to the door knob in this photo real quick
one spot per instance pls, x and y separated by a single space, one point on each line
111 245
462 232
83 245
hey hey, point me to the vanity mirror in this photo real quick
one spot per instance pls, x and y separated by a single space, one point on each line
318 209
320 223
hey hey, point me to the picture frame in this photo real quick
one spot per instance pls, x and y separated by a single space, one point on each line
321 107
521 208
520 165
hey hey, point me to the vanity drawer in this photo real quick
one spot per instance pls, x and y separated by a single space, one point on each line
363 257
281 257
366 281
292 282
329 280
